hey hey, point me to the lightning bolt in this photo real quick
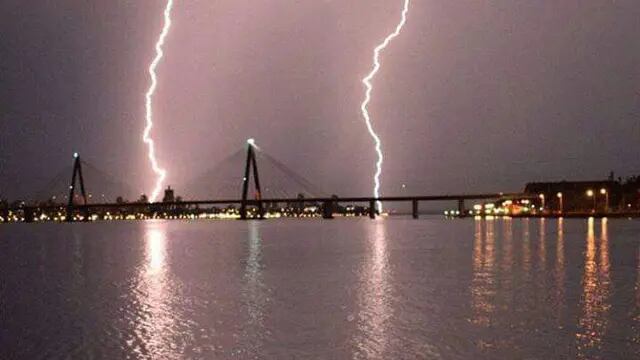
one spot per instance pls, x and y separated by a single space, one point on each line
160 172
365 104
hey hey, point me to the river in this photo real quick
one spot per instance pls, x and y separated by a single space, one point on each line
391 288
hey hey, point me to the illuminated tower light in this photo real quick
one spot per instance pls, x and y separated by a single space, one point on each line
365 104
252 143
160 172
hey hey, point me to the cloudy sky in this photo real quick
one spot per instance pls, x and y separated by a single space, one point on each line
473 96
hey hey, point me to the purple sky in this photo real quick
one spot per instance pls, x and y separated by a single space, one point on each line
473 96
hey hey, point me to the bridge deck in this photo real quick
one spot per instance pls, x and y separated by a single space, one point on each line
427 198
327 204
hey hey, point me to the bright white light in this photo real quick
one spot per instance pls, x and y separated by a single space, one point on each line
75 155
252 143
159 171
365 104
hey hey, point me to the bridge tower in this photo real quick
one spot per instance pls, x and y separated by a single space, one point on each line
77 173
251 163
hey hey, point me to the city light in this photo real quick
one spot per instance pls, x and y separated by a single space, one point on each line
604 192
560 197
591 194
174 211
542 200
160 172
365 104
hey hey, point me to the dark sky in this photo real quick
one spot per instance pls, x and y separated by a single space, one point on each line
473 96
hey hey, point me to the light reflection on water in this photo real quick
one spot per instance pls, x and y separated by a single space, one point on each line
507 248
390 288
254 293
596 284
483 282
635 334
154 322
376 297
560 272
542 247
526 248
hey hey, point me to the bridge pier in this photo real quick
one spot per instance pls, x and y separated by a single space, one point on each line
327 210
69 216
85 214
260 210
28 215
461 209
372 209
414 212
243 211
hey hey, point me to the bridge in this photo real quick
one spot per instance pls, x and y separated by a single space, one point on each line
80 208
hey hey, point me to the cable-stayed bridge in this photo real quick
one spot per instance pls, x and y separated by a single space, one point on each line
94 195
224 181
102 187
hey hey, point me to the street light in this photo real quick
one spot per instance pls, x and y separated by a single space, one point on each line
560 199
592 195
604 192
541 196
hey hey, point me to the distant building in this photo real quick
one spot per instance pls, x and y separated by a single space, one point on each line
578 196
169 195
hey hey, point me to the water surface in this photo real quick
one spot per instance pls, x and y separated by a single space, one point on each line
391 288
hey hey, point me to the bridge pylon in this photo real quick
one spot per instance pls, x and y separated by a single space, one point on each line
77 174
251 163
461 208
